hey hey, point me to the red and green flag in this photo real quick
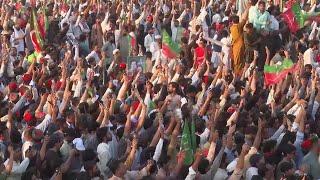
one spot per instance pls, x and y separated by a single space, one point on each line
170 48
43 23
275 73
35 33
294 17
35 41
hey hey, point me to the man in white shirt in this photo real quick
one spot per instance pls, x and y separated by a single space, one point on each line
149 39
105 150
309 55
17 167
17 38
155 47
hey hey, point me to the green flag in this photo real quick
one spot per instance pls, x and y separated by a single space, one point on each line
193 136
186 144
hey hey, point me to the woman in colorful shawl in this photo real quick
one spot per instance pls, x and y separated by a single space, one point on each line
238 48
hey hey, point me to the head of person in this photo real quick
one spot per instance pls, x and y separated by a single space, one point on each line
69 134
235 19
256 160
158 39
203 166
249 28
173 87
253 2
117 167
13 51
270 2
289 151
314 144
55 141
287 169
103 135
17 25
91 168
201 43
314 45
70 116
262 6
176 23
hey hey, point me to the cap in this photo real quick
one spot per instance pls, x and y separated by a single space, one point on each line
27 117
216 18
122 65
132 34
115 51
157 37
79 144
150 18
37 134
13 86
27 78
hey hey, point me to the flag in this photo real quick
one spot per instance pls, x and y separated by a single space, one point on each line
275 73
43 23
294 17
186 144
289 19
169 48
35 41
299 16
193 136
35 33
132 42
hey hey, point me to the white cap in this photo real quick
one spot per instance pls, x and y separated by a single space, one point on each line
132 34
115 51
157 37
226 18
78 144
183 101
216 18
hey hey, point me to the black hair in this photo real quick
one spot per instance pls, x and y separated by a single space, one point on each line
203 166
313 43
288 149
83 107
235 19
268 145
113 165
15 136
249 26
254 159
148 55
286 166
101 133
54 139
261 3
89 155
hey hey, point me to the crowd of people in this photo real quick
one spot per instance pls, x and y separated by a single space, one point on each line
69 108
